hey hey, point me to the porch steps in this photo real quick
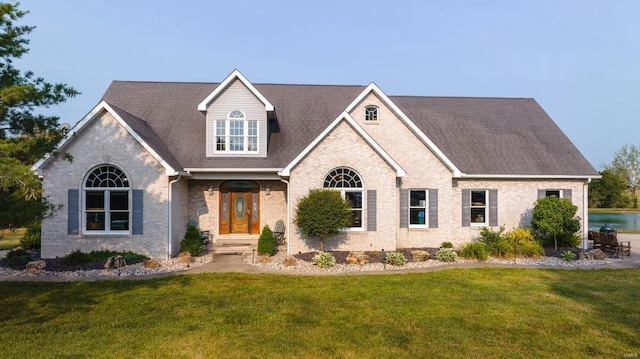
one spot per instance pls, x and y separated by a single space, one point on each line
233 244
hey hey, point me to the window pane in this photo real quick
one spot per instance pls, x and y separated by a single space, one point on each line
221 136
553 193
478 198
94 200
478 215
119 221
416 216
356 218
253 144
418 199
236 143
119 201
355 198
95 221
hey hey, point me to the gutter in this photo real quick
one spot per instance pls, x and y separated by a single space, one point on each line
286 182
170 210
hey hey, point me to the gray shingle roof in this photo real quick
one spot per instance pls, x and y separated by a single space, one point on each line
479 135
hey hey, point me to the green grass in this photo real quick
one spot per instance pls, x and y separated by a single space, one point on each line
477 313
10 238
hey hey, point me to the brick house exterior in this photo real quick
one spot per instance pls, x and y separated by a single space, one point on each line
234 156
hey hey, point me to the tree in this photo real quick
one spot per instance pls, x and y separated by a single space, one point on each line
626 165
321 214
24 136
609 191
555 217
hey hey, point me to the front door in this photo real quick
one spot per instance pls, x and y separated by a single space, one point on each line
239 208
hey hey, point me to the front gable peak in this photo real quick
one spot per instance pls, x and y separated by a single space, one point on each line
235 75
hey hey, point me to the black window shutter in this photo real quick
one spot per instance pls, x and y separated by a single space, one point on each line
542 193
136 216
404 208
466 207
372 216
493 207
73 205
433 208
566 194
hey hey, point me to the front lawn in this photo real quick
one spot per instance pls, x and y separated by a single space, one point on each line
10 238
471 313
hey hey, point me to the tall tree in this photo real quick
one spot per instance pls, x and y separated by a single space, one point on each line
24 135
626 165
609 191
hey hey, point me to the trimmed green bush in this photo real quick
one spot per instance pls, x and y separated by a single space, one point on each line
568 256
31 238
475 250
395 259
19 262
522 243
494 240
77 257
266 242
324 260
446 245
192 241
16 252
446 255
321 214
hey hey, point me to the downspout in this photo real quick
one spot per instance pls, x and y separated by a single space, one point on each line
585 215
288 213
170 214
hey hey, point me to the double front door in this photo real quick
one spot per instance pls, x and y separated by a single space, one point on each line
239 212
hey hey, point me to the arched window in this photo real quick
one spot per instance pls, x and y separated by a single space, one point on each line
349 183
107 207
236 134
371 113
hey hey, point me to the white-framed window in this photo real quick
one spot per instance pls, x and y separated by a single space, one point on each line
371 113
479 207
349 183
236 134
553 192
106 201
418 199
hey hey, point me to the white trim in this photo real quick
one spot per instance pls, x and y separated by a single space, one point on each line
202 106
507 176
228 170
400 172
426 208
421 135
103 105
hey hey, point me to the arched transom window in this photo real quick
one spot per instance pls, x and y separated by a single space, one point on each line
236 134
349 183
107 201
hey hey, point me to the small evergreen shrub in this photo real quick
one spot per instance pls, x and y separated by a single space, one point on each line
17 252
446 255
494 240
568 256
395 259
565 240
192 242
19 262
266 242
446 245
476 251
76 257
324 260
31 238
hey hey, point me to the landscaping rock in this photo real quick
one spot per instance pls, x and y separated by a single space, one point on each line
360 258
185 258
36 266
115 262
598 254
151 263
420 256
587 255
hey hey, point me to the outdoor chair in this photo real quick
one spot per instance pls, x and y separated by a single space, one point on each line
278 232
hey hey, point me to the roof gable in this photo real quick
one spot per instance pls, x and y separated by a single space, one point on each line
286 172
235 75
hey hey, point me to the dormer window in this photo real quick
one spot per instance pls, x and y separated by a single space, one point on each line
236 134
371 114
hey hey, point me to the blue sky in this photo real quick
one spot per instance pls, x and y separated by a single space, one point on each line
579 59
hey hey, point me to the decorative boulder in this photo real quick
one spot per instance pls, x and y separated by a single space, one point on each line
360 258
185 258
115 262
598 254
36 266
420 256
151 263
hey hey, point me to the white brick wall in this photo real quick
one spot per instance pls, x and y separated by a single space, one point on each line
104 141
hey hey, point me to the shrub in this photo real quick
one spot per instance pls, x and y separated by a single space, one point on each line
289 261
474 251
31 238
129 256
76 257
396 259
521 242
192 242
495 241
321 214
17 252
324 260
446 245
266 242
18 262
565 240
568 256
446 255
556 218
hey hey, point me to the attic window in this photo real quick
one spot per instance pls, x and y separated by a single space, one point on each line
371 113
236 134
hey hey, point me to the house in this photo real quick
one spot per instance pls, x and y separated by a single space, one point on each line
235 156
